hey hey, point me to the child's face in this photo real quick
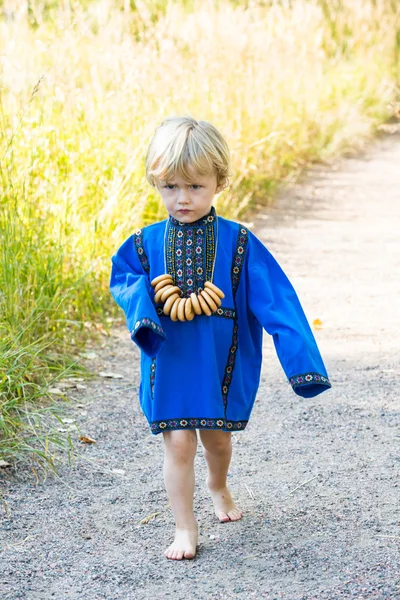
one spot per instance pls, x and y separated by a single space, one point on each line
188 201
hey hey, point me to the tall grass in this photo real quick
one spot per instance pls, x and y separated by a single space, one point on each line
83 86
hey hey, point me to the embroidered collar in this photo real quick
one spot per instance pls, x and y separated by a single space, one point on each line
210 218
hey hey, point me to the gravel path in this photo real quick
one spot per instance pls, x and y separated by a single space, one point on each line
318 479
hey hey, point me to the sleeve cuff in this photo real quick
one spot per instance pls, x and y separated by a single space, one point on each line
309 385
149 336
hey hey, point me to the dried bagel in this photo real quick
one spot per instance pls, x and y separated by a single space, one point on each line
169 291
160 278
189 312
214 296
214 288
174 310
162 284
169 303
157 297
196 304
181 310
204 306
209 300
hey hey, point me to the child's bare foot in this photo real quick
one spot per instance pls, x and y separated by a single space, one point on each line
184 544
224 506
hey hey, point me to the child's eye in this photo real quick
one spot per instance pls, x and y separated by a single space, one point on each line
170 186
196 186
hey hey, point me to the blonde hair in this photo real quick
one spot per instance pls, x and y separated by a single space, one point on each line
182 143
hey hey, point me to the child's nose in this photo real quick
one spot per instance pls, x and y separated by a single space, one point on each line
183 195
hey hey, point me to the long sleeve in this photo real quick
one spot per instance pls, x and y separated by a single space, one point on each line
131 290
274 303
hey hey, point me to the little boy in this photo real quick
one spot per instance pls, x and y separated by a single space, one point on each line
197 291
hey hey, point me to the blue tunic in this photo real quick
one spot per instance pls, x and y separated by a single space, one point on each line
204 373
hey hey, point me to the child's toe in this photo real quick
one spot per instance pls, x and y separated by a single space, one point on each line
222 516
235 515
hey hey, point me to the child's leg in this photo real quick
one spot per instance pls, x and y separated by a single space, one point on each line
180 450
218 453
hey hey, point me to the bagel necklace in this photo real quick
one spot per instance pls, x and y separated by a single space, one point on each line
178 308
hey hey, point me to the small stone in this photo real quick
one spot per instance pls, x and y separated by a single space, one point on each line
110 375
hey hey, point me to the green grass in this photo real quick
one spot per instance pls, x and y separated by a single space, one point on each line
83 86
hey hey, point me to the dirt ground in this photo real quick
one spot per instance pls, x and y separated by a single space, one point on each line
318 479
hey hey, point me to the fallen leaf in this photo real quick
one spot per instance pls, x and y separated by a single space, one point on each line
80 387
56 391
317 324
85 439
4 464
110 375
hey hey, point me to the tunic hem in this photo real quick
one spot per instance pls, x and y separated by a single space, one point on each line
194 423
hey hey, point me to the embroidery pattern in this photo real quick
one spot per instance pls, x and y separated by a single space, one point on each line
210 251
230 365
188 266
170 246
145 322
190 253
237 265
238 259
138 239
152 376
178 252
222 424
227 313
198 251
307 378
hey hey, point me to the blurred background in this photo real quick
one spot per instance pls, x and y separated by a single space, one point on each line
83 84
